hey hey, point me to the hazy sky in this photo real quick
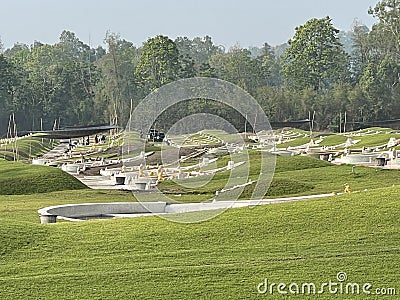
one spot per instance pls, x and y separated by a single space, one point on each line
247 22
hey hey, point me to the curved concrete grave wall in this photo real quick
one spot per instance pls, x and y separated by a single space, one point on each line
358 158
85 210
80 212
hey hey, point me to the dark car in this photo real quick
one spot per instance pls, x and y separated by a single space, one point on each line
155 136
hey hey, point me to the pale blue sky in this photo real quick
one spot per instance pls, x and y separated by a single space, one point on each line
247 22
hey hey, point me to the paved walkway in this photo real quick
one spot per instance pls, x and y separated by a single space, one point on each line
57 152
191 207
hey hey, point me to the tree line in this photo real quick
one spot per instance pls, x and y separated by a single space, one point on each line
71 84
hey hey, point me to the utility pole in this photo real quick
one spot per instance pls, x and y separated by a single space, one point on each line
255 120
245 126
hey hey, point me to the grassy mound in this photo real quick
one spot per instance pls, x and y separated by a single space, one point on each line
19 178
374 140
298 175
280 187
299 141
27 148
285 163
333 139
370 137
224 258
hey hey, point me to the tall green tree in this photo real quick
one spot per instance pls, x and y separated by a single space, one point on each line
386 33
7 80
58 82
315 57
117 87
237 66
269 65
199 50
385 36
158 64
379 77
43 71
360 50
187 67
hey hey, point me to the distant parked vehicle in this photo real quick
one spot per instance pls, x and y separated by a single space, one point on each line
155 136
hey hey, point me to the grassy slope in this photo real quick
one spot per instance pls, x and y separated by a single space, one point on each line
20 178
224 258
299 175
293 176
332 140
374 140
280 186
27 148
335 139
295 143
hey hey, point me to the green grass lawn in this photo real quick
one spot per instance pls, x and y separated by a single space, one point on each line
297 175
370 140
294 176
374 140
299 141
332 140
27 148
375 129
21 178
224 258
